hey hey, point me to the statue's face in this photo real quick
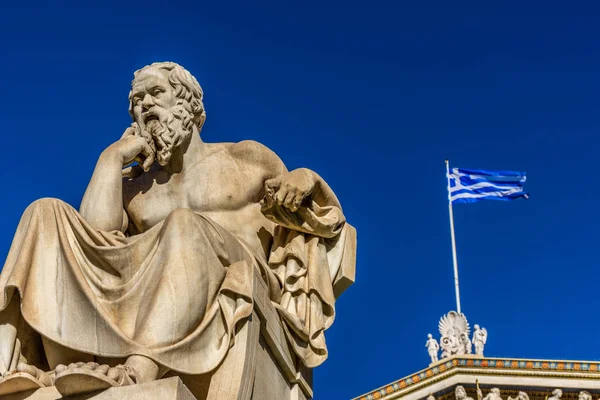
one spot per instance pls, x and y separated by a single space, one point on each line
160 114
152 96
460 393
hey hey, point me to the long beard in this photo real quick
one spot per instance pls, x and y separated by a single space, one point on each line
167 136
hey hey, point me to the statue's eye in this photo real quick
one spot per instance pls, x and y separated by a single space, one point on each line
157 92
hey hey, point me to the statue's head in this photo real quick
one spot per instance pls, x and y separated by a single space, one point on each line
522 396
583 395
166 103
429 336
557 393
495 391
460 393
476 327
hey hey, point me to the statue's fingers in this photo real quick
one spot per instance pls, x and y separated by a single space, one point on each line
289 199
148 162
131 131
269 192
149 156
297 203
272 186
281 195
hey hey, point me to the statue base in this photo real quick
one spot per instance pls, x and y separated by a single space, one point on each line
167 389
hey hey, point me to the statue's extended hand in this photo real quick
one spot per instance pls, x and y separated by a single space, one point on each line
290 189
131 148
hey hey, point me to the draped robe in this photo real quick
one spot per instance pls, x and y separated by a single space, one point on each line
175 292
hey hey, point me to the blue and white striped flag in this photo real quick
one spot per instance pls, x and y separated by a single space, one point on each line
471 185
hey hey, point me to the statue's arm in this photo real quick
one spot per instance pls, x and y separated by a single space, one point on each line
322 194
102 204
288 188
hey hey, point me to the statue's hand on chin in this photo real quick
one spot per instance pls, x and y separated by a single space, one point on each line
132 147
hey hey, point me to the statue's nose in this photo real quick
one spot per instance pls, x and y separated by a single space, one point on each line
147 102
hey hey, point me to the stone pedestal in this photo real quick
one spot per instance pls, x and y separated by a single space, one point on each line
163 389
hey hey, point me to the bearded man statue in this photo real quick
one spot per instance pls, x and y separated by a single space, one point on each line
155 271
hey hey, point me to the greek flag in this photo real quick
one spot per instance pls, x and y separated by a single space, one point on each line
471 185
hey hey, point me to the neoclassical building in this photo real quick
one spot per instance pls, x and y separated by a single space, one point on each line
484 378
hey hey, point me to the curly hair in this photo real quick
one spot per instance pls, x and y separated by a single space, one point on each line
186 88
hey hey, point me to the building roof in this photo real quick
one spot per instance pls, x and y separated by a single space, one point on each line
509 374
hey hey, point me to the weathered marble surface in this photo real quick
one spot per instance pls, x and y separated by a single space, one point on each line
163 389
154 274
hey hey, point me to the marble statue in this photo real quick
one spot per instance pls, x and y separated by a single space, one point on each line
494 394
466 344
461 394
432 348
584 395
520 396
479 339
155 269
454 330
556 394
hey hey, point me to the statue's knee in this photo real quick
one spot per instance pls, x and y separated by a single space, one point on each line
45 203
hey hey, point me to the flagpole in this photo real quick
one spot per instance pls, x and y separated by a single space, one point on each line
454 258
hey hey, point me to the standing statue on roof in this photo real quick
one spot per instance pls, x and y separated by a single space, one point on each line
479 339
432 347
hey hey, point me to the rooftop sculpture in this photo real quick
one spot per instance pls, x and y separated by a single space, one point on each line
454 330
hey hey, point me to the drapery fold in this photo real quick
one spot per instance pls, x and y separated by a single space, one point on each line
173 293
305 257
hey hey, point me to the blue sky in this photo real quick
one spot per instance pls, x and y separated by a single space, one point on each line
374 96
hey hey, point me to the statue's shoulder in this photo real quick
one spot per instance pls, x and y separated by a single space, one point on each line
250 148
252 152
